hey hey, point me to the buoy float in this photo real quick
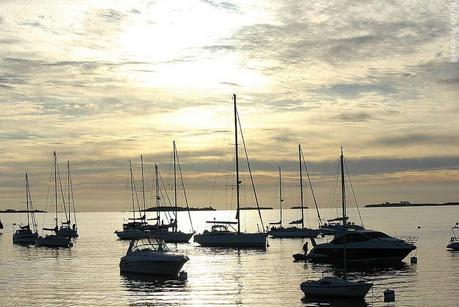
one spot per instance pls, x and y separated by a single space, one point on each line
183 276
389 295
414 260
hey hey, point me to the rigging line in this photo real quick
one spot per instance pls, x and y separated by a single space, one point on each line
353 193
167 213
216 174
62 193
250 172
184 190
135 193
312 189
47 193
72 197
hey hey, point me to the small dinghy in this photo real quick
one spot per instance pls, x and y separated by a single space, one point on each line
454 241
332 286
151 256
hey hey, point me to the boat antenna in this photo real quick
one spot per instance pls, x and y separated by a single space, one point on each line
236 152
312 190
343 203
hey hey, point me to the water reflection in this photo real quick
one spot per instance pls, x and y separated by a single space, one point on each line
333 302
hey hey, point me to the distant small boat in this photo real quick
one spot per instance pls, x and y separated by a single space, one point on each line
151 257
454 241
293 231
333 286
55 240
222 236
27 234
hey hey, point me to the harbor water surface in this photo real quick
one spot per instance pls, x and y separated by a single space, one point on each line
88 273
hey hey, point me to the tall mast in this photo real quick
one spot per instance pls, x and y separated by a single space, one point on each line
55 185
157 193
132 189
175 185
343 204
68 190
280 195
237 164
143 185
27 199
301 186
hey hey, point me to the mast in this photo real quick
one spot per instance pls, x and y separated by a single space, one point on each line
343 204
27 199
55 186
71 195
237 164
157 194
68 191
143 185
132 189
175 185
280 195
301 186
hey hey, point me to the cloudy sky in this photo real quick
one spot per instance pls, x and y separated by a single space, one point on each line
102 82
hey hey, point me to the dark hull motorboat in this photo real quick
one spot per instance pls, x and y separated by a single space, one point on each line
362 246
293 232
24 236
54 241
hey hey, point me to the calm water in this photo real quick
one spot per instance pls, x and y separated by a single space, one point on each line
88 274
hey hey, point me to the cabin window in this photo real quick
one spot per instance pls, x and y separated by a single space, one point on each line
350 238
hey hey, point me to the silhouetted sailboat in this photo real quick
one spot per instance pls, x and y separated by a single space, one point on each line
55 240
334 286
454 241
293 231
27 234
222 236
66 230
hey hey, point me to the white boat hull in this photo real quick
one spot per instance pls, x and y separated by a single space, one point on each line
163 266
175 237
294 233
337 288
53 241
231 239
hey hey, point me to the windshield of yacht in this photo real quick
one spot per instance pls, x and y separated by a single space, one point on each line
350 238
151 244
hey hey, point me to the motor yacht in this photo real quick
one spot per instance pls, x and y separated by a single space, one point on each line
151 257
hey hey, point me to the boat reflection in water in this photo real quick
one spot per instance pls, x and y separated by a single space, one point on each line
334 302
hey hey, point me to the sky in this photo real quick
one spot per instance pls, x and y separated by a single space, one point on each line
103 82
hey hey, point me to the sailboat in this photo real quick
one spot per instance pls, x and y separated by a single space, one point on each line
65 230
55 240
293 231
135 228
223 233
334 286
360 245
27 234
170 233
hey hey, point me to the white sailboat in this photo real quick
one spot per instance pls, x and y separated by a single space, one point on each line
27 234
222 233
333 286
54 240
66 230
293 231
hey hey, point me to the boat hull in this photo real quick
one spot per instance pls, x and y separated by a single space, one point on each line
155 268
175 236
24 238
53 241
294 233
343 290
354 255
453 246
134 234
231 239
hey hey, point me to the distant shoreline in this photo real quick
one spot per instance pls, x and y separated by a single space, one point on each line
21 211
398 205
168 208
299 207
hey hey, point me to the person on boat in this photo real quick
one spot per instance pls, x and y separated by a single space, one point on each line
305 248
73 226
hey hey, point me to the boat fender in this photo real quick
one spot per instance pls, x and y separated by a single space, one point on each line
313 241
389 295
183 276
414 260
